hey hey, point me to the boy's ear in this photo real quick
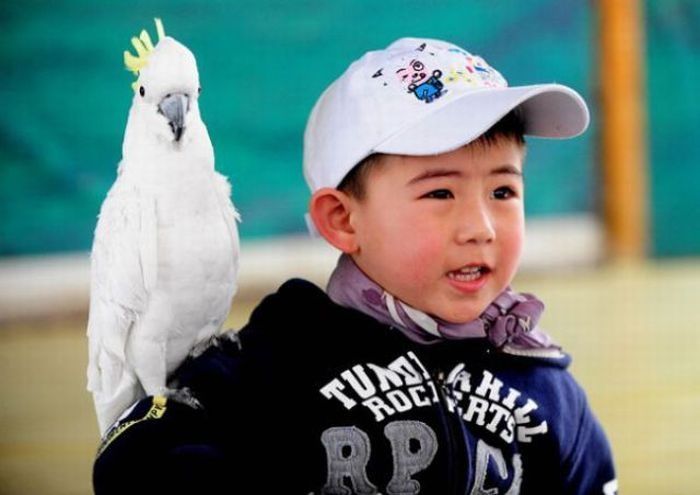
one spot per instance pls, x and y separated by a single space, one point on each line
330 211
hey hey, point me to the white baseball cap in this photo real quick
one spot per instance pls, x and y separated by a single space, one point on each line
423 97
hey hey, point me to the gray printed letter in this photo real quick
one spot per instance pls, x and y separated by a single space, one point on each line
407 461
484 452
347 451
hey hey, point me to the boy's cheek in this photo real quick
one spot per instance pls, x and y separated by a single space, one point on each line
512 227
514 251
411 258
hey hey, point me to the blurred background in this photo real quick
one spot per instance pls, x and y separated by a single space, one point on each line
613 216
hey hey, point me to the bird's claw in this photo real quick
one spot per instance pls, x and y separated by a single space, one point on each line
218 341
182 396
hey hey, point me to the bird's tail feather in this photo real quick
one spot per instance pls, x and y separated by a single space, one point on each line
110 403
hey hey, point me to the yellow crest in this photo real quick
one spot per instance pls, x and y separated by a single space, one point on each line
144 47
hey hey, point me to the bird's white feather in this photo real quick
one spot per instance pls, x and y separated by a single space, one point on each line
119 295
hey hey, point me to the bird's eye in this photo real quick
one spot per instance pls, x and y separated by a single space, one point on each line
199 90
142 91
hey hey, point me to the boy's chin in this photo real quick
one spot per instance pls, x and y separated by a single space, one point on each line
459 316
451 310
458 320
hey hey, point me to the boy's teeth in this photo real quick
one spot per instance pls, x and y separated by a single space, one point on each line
466 274
470 269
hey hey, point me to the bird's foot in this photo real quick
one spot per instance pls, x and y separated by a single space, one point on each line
218 340
181 395
228 337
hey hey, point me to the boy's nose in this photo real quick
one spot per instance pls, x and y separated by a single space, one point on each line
475 226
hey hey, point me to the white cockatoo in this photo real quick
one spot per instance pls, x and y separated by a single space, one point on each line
164 260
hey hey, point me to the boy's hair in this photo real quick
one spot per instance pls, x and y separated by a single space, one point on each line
510 127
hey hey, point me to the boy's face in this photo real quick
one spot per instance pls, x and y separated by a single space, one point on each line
443 233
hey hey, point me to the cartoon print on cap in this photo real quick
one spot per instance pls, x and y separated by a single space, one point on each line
426 86
474 71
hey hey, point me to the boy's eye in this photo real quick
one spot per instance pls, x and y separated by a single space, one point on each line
504 192
439 194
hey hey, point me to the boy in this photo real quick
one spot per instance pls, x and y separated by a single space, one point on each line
420 371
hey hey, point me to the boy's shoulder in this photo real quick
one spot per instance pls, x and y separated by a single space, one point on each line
296 303
300 312
291 294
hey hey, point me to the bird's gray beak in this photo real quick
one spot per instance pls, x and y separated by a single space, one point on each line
174 107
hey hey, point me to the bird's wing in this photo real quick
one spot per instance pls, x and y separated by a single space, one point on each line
123 271
231 216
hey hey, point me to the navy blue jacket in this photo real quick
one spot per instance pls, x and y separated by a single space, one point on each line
316 398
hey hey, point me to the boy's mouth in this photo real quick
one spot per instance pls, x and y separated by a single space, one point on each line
469 273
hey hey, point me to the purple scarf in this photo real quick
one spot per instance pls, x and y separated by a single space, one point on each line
509 322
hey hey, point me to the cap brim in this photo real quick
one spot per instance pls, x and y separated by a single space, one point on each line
548 110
